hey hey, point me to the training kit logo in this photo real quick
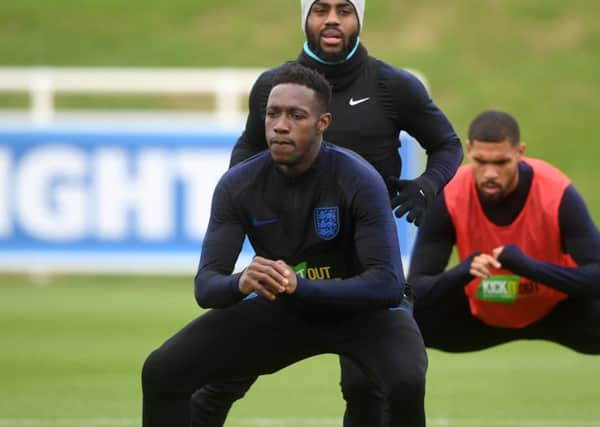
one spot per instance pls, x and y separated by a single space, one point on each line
261 222
354 102
502 289
300 269
327 222
312 273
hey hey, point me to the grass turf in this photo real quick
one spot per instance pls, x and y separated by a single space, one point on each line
72 348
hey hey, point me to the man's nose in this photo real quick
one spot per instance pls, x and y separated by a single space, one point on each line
282 125
333 18
490 171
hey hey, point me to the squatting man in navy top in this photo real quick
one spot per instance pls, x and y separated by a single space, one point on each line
372 102
304 205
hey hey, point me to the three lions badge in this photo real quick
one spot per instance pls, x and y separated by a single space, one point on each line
327 222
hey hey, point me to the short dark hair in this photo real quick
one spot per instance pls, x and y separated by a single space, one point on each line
494 126
299 74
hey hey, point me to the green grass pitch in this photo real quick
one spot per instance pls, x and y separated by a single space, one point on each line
72 348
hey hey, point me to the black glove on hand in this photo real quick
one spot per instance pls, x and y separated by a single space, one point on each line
412 196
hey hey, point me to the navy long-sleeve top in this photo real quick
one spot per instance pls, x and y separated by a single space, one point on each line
579 238
372 102
333 222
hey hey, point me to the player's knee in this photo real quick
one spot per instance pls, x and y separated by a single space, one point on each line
409 380
408 387
154 373
361 389
221 394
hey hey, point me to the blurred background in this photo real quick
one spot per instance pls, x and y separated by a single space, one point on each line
116 120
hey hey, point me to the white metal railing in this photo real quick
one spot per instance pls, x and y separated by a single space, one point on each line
227 85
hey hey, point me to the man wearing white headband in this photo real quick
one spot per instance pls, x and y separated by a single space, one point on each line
338 49
372 102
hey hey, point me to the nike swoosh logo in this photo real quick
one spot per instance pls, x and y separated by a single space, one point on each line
261 222
354 102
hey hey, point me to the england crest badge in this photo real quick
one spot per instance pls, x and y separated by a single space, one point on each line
327 222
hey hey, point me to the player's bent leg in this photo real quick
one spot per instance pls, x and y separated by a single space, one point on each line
406 371
574 323
365 401
366 404
163 402
448 325
211 404
204 352
389 348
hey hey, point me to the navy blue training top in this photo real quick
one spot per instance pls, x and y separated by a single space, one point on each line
333 222
372 102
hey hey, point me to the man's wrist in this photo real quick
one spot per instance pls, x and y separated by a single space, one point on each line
235 286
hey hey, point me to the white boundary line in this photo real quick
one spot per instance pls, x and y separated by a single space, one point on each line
298 422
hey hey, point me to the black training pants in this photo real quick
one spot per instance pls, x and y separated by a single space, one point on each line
450 326
256 337
365 403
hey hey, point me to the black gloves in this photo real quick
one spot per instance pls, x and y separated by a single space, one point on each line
412 196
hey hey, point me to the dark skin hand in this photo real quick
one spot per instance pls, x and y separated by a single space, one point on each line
268 278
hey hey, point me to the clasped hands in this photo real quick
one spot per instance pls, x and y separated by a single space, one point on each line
268 278
482 264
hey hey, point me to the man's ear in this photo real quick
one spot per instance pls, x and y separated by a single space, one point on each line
468 146
522 147
324 122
